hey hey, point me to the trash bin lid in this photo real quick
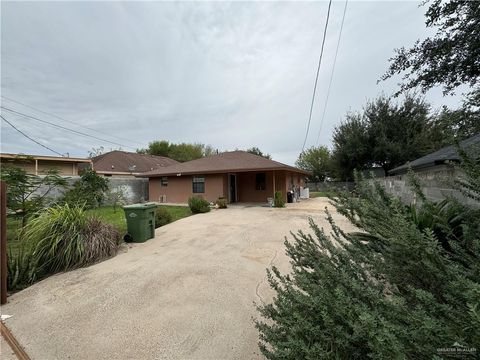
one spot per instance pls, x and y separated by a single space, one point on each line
140 206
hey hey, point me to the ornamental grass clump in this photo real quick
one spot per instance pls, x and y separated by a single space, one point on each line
64 237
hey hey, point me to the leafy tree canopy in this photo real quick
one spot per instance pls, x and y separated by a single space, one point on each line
450 58
256 151
316 160
180 152
27 193
385 134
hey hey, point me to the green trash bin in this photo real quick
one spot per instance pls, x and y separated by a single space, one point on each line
140 221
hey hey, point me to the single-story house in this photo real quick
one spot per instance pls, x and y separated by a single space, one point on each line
440 160
128 164
238 176
39 164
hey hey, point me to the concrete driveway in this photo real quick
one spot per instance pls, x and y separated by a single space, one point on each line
187 294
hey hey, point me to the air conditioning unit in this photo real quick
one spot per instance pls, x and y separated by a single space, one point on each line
163 198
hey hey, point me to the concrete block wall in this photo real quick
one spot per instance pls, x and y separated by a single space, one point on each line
136 189
437 184
325 186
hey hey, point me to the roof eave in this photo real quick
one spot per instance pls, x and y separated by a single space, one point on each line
306 173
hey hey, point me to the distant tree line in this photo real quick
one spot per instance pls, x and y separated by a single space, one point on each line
187 151
387 133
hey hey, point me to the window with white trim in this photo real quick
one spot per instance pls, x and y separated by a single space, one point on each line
198 184
164 181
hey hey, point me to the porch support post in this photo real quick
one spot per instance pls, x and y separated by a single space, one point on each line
273 184
36 166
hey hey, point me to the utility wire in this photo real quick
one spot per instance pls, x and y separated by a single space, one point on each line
331 75
28 137
69 121
316 78
62 127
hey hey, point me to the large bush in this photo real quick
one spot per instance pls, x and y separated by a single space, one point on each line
59 239
403 287
198 205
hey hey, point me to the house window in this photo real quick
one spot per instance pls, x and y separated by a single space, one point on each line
198 184
260 181
164 181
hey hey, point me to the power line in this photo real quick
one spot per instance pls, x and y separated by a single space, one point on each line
62 127
28 137
331 75
316 78
71 122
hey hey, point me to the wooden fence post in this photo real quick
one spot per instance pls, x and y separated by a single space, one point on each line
3 243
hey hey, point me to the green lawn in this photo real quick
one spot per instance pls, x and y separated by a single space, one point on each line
106 213
315 194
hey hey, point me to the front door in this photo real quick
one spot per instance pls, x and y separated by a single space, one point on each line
232 192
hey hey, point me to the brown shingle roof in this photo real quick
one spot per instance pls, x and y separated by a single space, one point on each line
234 161
128 162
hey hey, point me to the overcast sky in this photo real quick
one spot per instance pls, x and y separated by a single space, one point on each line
233 75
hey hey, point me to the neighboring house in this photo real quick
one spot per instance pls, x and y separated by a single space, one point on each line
436 173
39 164
238 176
127 164
441 160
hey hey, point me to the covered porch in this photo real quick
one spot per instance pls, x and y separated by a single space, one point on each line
257 187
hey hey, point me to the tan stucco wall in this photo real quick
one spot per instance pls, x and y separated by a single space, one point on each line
179 188
246 186
64 168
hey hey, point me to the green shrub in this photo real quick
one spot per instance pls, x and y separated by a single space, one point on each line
198 205
63 238
88 192
222 203
278 201
405 286
162 217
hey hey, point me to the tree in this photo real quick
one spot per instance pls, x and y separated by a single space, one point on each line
180 152
116 196
186 152
256 151
157 147
398 132
316 160
450 58
27 193
351 146
388 291
89 191
94 152
450 126
384 134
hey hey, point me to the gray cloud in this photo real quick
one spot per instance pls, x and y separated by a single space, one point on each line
233 75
